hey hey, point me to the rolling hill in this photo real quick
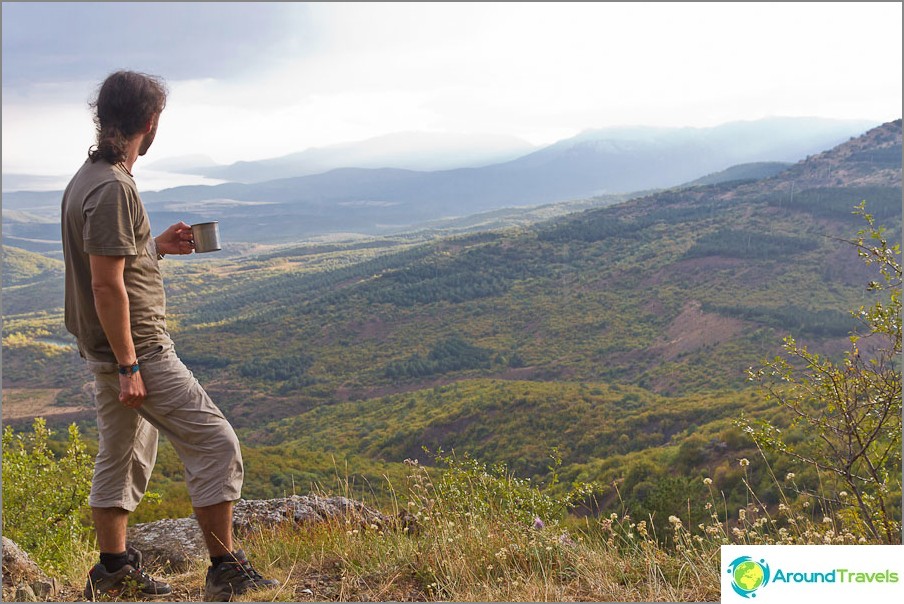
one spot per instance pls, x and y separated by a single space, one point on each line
614 293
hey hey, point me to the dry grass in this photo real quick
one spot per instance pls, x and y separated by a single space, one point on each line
467 539
469 562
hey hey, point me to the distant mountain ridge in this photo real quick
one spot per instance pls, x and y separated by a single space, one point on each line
872 159
614 160
380 201
751 171
420 151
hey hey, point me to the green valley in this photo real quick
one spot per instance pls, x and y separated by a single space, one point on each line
619 336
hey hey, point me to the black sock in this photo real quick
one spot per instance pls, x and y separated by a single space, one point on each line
114 562
215 561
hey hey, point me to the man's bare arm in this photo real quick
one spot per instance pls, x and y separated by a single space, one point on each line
111 300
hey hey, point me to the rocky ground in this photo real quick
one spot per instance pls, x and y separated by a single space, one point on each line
175 548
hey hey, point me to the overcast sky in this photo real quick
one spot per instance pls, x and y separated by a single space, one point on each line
256 80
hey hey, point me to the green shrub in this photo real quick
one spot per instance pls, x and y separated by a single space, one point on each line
849 410
469 487
44 498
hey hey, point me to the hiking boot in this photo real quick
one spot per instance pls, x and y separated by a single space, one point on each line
130 581
232 578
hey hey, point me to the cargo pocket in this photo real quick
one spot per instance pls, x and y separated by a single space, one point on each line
170 384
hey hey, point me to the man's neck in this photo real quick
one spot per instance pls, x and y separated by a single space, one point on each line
132 148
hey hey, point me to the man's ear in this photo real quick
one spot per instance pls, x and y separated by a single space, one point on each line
150 125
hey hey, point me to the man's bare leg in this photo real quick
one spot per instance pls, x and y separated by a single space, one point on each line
117 571
110 525
216 525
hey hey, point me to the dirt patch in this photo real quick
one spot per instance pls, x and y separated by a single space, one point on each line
28 403
373 328
693 329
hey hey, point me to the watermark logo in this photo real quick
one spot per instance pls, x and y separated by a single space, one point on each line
748 575
811 573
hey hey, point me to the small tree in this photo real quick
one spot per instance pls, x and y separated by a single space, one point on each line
44 497
850 410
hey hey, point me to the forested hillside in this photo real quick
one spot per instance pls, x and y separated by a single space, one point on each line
620 336
675 292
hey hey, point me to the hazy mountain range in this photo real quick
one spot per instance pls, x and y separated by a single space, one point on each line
779 139
405 150
372 188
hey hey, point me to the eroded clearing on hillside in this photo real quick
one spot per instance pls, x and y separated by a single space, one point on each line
693 329
24 403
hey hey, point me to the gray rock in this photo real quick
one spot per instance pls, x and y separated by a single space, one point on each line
174 544
251 514
22 574
24 593
169 543
43 589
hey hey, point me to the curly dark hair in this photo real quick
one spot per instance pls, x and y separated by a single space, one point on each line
125 103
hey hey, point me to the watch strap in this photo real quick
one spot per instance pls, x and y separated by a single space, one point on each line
129 369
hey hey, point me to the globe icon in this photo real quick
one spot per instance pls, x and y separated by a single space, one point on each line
748 575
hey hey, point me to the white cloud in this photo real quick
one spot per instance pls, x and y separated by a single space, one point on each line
229 130
541 71
56 144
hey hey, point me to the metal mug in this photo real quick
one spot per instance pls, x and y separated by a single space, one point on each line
206 236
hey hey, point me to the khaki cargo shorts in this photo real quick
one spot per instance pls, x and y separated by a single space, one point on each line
177 406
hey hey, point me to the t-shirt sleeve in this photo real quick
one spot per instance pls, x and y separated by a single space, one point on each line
110 216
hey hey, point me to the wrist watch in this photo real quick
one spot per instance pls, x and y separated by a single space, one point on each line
129 370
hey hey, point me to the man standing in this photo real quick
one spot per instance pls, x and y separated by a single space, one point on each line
116 308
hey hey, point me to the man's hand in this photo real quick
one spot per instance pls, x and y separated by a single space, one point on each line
177 239
131 390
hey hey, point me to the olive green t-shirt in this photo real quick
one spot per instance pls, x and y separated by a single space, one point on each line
102 215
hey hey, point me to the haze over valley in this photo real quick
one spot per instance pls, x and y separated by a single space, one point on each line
320 193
